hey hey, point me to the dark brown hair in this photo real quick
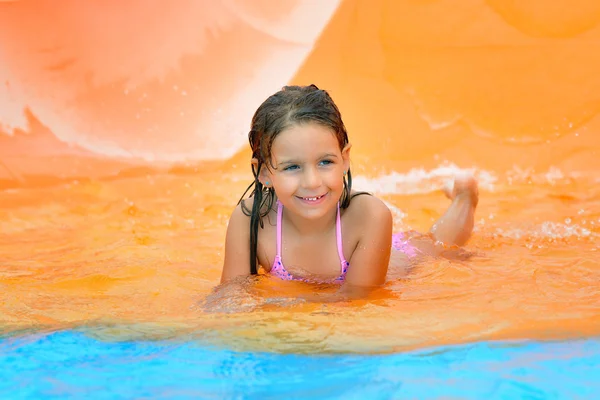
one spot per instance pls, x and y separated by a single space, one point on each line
290 106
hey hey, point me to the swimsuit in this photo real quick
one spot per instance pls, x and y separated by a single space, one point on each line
399 243
278 268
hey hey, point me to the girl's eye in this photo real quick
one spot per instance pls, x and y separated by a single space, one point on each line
326 162
290 168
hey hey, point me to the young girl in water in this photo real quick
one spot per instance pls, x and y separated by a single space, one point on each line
302 220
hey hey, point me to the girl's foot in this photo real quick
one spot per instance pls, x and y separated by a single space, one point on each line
454 228
464 184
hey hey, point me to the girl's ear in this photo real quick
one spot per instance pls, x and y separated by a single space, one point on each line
346 156
264 176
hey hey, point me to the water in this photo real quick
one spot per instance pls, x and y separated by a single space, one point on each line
70 364
117 270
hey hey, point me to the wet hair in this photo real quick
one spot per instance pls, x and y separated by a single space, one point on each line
293 105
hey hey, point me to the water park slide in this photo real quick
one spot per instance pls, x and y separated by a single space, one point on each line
94 89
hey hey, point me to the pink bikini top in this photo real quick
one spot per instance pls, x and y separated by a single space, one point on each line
278 268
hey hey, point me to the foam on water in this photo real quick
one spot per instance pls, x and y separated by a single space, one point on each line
420 180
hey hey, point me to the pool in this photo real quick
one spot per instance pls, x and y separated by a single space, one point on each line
71 364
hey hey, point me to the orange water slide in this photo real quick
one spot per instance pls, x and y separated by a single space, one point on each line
91 89
493 83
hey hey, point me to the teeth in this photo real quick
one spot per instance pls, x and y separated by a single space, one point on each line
312 198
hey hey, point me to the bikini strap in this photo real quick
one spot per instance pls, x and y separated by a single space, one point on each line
279 215
338 232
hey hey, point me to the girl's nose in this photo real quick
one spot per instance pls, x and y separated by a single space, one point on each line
312 178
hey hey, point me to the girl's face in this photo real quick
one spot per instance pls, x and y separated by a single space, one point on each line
308 169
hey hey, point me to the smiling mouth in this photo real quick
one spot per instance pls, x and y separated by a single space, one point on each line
314 198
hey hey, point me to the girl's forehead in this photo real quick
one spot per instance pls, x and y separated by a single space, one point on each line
305 137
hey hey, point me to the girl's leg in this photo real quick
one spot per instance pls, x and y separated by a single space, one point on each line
454 228
451 230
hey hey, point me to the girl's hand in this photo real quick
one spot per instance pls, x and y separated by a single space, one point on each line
231 297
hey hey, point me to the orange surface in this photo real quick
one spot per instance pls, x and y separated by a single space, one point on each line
122 152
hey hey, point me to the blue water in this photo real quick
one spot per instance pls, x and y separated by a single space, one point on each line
70 364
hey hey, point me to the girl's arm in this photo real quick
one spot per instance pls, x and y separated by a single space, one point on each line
237 247
232 294
370 259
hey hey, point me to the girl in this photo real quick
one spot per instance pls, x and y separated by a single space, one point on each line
302 220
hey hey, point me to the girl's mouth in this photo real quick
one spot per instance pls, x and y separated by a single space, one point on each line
312 199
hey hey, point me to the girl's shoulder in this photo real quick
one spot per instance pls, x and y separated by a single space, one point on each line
267 213
367 220
245 206
365 208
